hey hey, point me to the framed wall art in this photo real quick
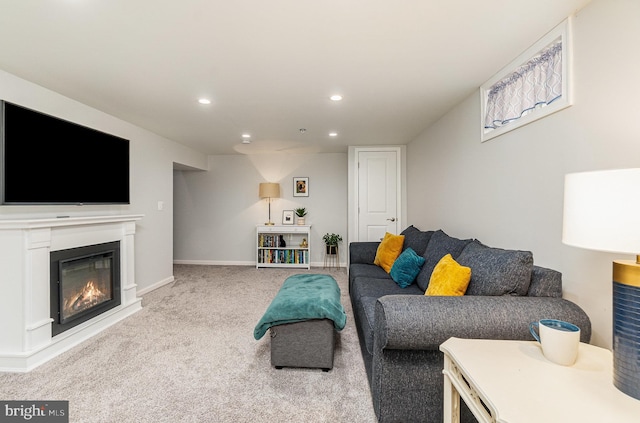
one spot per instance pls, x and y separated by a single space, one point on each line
287 217
300 187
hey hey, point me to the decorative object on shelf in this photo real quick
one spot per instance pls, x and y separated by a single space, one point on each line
602 212
287 217
301 187
269 190
331 242
301 212
304 243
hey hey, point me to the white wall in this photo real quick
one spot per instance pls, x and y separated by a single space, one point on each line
152 159
508 192
216 212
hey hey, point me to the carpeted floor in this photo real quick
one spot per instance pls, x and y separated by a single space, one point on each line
190 356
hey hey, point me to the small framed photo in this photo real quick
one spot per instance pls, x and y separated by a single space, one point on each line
287 217
301 187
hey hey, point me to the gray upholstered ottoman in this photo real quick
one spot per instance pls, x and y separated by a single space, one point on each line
303 319
303 344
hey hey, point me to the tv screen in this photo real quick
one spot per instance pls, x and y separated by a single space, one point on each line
46 160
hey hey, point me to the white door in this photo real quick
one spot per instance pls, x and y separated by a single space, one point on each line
378 194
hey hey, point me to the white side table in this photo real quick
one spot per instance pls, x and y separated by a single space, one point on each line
511 381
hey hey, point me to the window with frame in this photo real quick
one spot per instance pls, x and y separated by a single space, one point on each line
534 85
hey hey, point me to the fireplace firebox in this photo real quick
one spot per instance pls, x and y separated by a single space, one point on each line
85 282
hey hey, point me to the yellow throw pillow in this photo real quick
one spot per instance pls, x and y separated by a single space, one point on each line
388 251
449 278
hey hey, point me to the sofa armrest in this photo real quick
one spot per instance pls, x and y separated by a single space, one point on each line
416 322
363 252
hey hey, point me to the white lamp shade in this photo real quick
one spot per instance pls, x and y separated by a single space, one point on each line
602 210
269 190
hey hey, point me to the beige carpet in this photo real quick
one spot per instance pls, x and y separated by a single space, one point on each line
190 356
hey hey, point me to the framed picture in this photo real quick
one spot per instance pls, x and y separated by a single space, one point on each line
300 187
287 217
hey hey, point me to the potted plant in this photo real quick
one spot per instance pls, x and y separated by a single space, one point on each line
301 212
331 241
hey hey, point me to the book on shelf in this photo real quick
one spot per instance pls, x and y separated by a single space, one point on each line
285 256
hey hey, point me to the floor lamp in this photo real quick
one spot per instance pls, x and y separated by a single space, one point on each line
602 212
269 190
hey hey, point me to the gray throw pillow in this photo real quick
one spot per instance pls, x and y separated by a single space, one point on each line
416 239
495 271
439 246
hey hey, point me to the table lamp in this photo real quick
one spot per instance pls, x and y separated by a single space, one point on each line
269 190
602 212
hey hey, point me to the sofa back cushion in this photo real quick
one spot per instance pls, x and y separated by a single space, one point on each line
439 246
495 271
416 239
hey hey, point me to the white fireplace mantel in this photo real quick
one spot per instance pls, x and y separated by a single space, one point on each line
25 245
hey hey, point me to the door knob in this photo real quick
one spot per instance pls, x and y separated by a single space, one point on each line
393 219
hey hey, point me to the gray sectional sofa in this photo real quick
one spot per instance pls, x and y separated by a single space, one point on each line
401 329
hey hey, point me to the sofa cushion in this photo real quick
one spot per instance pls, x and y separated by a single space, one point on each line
388 251
495 271
367 271
379 287
416 239
448 278
439 246
406 268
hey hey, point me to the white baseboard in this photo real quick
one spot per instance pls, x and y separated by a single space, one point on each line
236 263
156 285
215 262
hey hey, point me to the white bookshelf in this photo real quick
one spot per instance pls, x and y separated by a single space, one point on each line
271 253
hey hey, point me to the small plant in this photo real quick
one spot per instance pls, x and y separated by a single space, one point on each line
301 211
331 239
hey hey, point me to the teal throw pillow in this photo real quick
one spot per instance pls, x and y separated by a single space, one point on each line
406 267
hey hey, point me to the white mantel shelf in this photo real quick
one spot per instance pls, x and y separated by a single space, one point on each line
57 222
25 246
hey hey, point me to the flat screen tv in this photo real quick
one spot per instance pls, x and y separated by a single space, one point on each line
46 160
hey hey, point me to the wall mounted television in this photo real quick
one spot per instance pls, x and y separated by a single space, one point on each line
47 160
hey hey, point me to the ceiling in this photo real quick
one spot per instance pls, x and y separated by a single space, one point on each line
269 67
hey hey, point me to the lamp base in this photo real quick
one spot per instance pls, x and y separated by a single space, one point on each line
626 324
269 223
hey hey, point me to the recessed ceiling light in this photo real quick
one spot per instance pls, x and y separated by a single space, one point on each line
336 97
333 134
204 101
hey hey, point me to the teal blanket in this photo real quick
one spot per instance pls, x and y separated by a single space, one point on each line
304 297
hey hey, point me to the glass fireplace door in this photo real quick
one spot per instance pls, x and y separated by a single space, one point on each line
85 282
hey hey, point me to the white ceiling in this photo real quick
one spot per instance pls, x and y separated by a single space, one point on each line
269 67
